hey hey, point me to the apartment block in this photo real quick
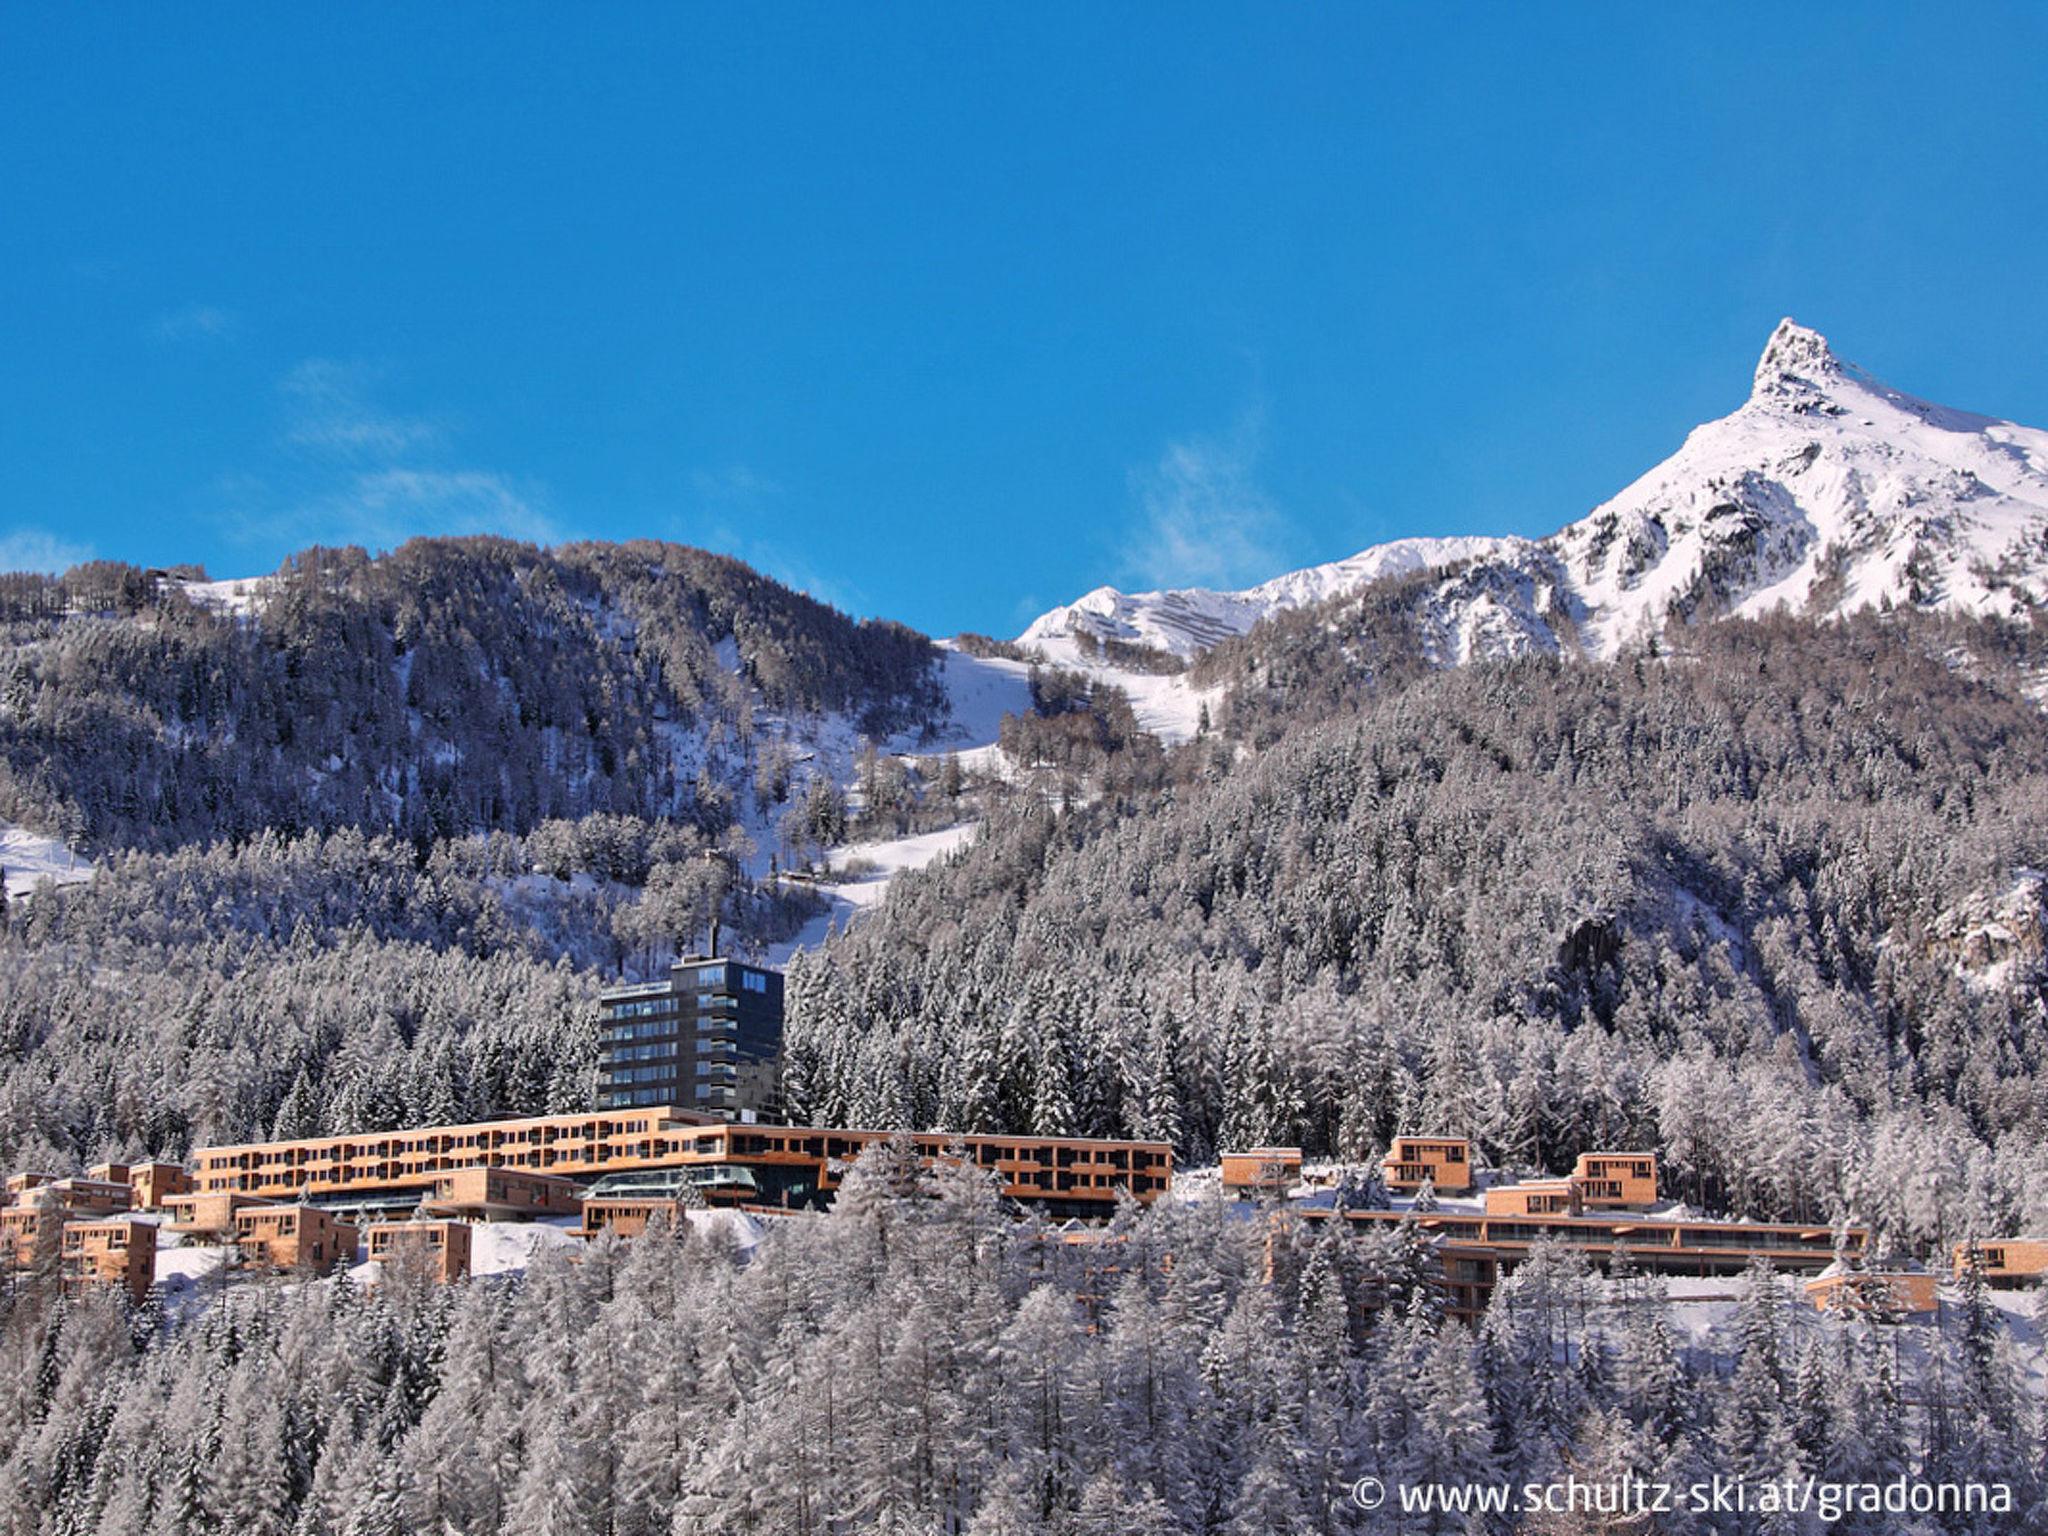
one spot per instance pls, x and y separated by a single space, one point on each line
1480 1247
119 1251
149 1184
1445 1162
796 1166
708 1036
28 1232
1616 1181
2006 1262
19 1184
78 1196
209 1218
293 1237
1261 1171
441 1249
630 1215
784 1166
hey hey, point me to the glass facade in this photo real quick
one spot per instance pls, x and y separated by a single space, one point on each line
709 1037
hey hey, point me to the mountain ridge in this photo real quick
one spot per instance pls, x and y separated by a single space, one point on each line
1825 492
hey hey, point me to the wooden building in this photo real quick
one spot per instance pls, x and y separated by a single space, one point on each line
1616 1181
149 1184
208 1218
293 1237
28 1233
79 1196
1443 1162
571 1146
1534 1197
1262 1171
789 1166
1481 1247
440 1249
501 1194
2006 1262
117 1251
1874 1292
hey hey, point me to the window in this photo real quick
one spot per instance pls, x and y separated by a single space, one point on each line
753 981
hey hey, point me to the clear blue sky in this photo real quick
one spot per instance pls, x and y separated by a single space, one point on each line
950 314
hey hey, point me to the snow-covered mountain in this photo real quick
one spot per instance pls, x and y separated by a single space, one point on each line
1827 491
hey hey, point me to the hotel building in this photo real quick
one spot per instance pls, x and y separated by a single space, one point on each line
709 1036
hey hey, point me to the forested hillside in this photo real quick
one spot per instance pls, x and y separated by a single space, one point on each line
1703 899
368 844
449 687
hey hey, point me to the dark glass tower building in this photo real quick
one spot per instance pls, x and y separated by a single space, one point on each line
709 1038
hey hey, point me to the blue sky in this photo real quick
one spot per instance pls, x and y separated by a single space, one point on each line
949 313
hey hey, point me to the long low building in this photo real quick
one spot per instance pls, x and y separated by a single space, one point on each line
569 1146
1476 1249
783 1166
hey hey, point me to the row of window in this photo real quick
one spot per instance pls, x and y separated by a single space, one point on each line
661 1074
646 1010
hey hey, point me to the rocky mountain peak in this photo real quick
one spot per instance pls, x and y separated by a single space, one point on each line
1796 364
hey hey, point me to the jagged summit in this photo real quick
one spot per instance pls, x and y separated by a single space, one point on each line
1796 364
1826 491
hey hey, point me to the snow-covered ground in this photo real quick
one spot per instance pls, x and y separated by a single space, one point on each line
876 864
1167 705
239 598
29 857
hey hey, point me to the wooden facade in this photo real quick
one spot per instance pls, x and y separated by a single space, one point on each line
2006 1262
293 1237
789 1165
1443 1162
1262 1171
1875 1292
119 1251
440 1249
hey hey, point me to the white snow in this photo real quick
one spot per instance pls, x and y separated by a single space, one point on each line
504 1247
240 598
877 864
30 858
1165 704
1189 620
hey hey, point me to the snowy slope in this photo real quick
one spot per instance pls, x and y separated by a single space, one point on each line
1188 620
1825 492
29 857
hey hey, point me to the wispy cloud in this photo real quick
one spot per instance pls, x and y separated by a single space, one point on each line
193 322
382 508
330 410
37 549
1203 519
346 469
391 505
734 485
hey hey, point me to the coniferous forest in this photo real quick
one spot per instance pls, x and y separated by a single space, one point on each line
1756 896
